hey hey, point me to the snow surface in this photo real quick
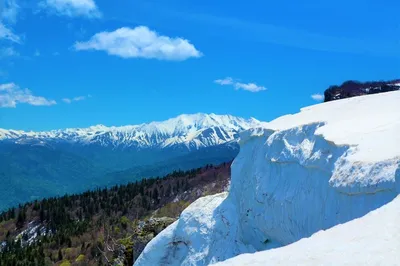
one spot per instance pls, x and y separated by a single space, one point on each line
355 121
299 174
181 238
194 131
370 240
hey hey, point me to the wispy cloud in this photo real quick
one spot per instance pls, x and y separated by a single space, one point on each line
252 87
37 53
8 52
11 95
8 15
72 8
140 42
250 30
318 97
76 99
7 34
9 10
225 81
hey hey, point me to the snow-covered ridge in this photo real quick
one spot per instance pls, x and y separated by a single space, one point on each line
297 175
197 130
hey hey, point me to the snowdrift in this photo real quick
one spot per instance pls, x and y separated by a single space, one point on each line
370 240
327 165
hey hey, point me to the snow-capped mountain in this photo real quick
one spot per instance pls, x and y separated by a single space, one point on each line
193 131
71 160
329 164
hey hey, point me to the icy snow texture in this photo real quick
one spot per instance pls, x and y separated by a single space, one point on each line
302 173
201 234
194 131
370 240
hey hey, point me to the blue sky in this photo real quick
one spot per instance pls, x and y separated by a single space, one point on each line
89 62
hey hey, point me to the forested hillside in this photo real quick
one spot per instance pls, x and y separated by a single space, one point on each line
102 226
41 164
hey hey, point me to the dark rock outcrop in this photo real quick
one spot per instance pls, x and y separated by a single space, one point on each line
353 88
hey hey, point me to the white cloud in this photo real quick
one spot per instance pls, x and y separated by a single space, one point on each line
7 34
253 87
76 99
72 8
318 97
37 53
249 87
225 81
140 42
11 95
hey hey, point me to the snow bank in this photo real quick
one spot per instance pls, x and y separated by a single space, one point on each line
370 240
369 122
302 173
200 235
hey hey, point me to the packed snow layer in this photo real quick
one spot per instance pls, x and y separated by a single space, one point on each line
369 122
296 176
370 240
200 235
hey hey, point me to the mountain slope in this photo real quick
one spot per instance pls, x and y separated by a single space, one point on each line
297 175
33 172
34 165
76 228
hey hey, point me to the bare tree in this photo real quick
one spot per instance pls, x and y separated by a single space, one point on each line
117 250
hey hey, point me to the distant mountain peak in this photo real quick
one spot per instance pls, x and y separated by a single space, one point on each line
197 130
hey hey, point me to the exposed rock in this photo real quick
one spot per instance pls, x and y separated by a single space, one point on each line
355 88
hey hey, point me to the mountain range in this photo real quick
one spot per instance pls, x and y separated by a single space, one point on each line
41 164
190 131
